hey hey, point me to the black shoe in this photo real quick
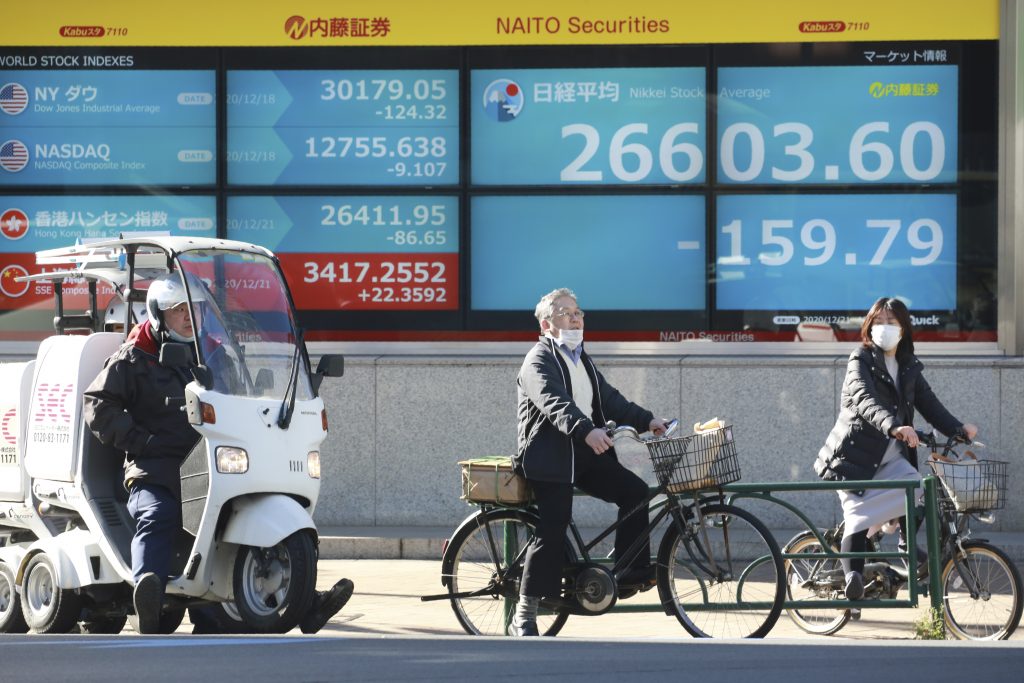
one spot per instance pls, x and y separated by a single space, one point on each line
637 578
148 598
326 605
523 629
854 586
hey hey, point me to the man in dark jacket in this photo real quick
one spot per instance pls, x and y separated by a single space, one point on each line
564 403
126 406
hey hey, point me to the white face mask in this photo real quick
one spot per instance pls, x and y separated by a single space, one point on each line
571 338
180 337
886 337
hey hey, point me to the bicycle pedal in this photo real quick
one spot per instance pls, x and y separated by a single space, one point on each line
855 614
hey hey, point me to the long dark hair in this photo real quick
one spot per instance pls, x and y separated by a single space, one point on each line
899 310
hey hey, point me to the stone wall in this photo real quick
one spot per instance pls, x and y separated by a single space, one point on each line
399 425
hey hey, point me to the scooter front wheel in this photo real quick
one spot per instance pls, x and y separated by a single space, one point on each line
274 587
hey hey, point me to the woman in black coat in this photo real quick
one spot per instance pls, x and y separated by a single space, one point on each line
874 436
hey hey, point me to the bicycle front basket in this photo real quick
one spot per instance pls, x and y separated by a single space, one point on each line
705 460
973 485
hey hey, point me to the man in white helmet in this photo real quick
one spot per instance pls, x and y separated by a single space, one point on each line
126 406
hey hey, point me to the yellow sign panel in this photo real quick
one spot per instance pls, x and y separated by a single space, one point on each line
449 22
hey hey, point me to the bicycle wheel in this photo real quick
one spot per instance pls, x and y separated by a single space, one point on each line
723 578
812 579
981 593
484 589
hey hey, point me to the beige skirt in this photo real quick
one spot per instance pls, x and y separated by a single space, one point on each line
878 506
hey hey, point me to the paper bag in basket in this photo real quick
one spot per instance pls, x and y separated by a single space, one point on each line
699 468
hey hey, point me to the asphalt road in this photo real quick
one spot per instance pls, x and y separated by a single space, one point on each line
298 659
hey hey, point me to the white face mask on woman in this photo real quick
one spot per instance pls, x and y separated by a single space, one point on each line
886 337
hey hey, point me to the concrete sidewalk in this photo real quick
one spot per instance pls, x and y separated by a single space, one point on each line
387 602
392 567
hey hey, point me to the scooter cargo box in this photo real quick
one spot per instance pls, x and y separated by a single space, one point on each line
492 480
15 390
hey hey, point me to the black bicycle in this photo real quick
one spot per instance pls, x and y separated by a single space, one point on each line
719 570
981 587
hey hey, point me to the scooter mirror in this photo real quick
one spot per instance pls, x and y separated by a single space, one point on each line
331 365
264 381
175 355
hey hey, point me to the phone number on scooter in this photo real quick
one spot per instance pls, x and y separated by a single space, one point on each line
51 437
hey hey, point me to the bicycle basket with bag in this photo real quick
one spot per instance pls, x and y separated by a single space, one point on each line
704 460
972 485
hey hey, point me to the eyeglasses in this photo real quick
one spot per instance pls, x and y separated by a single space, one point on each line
569 314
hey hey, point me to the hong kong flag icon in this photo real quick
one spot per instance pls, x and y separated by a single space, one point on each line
13 224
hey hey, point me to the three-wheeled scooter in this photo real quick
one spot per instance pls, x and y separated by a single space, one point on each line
248 545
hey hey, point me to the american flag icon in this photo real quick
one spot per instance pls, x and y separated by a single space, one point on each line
13 98
13 156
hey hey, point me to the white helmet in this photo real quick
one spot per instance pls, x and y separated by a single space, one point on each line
113 318
167 291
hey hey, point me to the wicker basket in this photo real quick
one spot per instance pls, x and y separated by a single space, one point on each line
973 485
705 460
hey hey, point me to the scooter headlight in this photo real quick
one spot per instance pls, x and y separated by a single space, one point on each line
231 460
313 464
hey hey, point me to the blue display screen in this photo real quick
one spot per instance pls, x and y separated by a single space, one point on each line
33 223
835 252
617 252
108 128
837 124
588 126
347 224
380 127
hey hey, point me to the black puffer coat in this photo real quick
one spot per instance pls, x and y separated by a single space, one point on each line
552 428
869 409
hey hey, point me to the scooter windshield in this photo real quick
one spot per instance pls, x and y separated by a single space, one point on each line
246 332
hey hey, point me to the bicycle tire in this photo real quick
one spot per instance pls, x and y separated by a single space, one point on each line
820 621
744 553
475 566
995 613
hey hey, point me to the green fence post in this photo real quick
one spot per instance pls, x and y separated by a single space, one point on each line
510 549
931 512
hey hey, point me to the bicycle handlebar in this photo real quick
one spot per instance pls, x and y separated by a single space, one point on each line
928 439
626 430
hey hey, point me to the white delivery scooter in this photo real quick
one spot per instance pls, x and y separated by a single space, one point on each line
249 487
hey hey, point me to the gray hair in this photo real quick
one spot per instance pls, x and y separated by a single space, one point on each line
546 306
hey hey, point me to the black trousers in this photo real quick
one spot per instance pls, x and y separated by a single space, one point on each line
600 476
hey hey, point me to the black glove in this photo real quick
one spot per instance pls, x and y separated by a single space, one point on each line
175 445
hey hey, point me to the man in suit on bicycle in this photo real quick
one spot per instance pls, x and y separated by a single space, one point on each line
564 403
